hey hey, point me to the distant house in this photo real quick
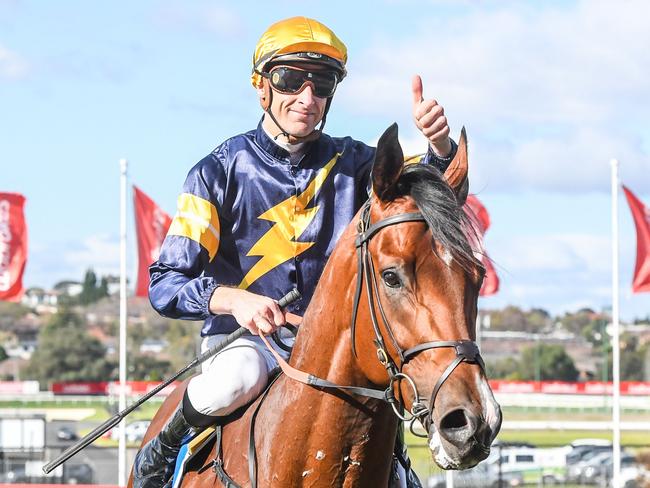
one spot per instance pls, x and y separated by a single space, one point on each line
153 346
10 369
113 283
21 350
43 301
70 288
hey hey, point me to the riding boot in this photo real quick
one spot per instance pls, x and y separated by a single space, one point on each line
154 464
403 475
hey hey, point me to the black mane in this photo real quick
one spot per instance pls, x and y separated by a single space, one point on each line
446 218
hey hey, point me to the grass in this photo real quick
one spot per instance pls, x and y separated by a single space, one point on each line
103 410
557 438
634 440
417 446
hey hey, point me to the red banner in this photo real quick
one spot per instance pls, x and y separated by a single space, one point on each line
109 387
151 225
636 388
632 388
479 216
641 215
13 246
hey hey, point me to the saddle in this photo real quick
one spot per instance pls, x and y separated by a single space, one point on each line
193 455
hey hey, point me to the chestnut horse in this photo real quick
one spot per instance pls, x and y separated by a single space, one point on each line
394 316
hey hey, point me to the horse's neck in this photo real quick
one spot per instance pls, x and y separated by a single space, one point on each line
315 436
359 432
323 345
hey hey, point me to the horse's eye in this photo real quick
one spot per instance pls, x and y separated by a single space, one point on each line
391 279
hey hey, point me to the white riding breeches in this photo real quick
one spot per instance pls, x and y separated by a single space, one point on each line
235 376
238 374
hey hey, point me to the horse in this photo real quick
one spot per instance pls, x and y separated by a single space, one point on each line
388 334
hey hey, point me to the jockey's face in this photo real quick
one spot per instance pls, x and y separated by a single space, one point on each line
297 113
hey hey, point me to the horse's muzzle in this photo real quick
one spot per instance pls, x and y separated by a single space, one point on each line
461 440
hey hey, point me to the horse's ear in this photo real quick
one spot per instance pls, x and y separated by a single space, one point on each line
389 161
456 173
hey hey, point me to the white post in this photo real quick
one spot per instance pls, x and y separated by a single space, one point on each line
616 343
121 470
449 478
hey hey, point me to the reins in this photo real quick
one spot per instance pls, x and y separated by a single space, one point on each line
466 350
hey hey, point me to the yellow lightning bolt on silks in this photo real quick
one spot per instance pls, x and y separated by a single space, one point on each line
291 217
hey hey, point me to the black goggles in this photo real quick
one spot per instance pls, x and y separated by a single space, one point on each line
291 80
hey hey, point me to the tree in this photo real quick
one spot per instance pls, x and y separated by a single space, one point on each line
144 367
89 288
538 320
3 354
594 331
510 318
10 314
547 362
503 369
102 291
576 322
513 318
182 339
91 291
66 352
633 358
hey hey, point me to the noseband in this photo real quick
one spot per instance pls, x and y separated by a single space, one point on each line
466 350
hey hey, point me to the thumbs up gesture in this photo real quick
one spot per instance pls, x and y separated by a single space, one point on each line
430 118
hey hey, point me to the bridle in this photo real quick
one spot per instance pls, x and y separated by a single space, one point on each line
466 350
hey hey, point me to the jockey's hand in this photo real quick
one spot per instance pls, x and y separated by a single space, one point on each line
257 313
430 118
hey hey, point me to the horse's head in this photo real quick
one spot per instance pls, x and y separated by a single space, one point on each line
422 281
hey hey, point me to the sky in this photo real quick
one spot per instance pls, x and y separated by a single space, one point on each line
549 93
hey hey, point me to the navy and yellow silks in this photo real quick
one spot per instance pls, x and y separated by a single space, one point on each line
248 218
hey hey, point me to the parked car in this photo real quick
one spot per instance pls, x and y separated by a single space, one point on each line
32 471
634 476
134 431
77 474
600 470
66 433
596 466
533 463
484 475
574 474
582 447
14 475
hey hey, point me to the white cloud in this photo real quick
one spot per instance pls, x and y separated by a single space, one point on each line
99 252
553 253
548 96
54 261
12 65
222 20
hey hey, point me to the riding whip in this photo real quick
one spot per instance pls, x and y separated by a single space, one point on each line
96 433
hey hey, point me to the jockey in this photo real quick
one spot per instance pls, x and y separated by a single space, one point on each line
259 216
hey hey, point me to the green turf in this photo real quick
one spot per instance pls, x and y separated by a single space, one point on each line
103 410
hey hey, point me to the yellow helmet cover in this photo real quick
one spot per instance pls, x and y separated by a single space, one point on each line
297 34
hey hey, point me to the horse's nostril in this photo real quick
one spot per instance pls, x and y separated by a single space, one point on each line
455 419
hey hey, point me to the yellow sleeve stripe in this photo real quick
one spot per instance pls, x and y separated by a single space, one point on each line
197 219
413 159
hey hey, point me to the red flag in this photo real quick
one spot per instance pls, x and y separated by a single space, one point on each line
151 225
13 246
641 215
479 216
